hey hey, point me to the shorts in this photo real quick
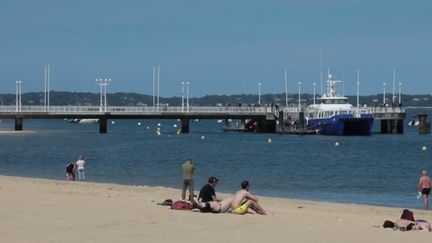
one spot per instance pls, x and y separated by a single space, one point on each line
425 191
241 209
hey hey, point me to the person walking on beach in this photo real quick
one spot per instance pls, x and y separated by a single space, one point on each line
207 192
243 200
80 166
424 188
188 173
70 174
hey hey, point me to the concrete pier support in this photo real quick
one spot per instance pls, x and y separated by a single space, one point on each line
185 125
18 124
392 126
103 128
268 126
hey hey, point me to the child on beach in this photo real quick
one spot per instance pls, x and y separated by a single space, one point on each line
70 175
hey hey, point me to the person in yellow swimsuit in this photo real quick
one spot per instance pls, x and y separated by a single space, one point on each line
243 200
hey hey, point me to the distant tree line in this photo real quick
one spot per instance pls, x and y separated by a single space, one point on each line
62 98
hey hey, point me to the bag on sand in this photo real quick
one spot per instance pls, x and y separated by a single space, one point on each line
407 214
181 205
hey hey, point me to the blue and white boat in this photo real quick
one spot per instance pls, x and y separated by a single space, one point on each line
335 116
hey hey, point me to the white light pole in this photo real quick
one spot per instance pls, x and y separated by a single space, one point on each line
384 93
18 95
286 89
154 78
394 84
299 97
158 85
259 93
182 92
314 84
358 88
103 83
400 92
187 96
107 81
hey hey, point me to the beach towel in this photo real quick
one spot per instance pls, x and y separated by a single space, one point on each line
407 214
181 205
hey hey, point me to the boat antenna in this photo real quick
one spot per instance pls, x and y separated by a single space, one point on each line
321 71
394 83
286 89
343 84
358 88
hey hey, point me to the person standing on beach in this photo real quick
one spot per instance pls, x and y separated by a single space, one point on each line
70 175
188 172
424 188
80 166
207 192
243 200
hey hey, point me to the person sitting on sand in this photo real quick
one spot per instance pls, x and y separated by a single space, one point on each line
207 192
213 206
407 225
243 200
424 188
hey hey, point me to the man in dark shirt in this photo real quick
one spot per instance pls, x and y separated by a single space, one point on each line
207 192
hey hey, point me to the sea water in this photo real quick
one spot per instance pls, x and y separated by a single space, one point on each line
377 169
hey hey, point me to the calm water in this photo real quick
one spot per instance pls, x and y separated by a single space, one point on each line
380 169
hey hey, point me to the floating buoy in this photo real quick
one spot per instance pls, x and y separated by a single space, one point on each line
113 122
139 123
175 125
202 137
158 124
148 128
337 144
424 148
269 140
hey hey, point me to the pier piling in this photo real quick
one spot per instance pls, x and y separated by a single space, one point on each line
185 125
103 125
18 124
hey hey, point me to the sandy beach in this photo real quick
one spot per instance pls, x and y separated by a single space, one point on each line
39 210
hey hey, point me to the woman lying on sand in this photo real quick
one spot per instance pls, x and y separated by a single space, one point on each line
407 225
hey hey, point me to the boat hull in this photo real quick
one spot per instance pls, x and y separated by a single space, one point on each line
342 125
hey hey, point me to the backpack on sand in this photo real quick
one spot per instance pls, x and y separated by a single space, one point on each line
181 205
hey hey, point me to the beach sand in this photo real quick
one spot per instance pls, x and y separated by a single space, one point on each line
39 210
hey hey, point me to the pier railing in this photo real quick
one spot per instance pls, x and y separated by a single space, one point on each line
134 109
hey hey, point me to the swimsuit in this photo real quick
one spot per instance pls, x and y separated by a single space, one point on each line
242 209
425 191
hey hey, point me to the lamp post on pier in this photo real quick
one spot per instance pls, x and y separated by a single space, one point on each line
400 92
384 93
18 95
103 83
182 95
187 96
259 94
299 97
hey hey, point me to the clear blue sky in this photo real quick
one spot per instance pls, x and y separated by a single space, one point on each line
221 47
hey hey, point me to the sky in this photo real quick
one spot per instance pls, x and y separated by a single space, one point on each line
220 47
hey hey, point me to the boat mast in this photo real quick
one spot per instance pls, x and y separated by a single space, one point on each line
358 89
321 71
286 89
394 83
